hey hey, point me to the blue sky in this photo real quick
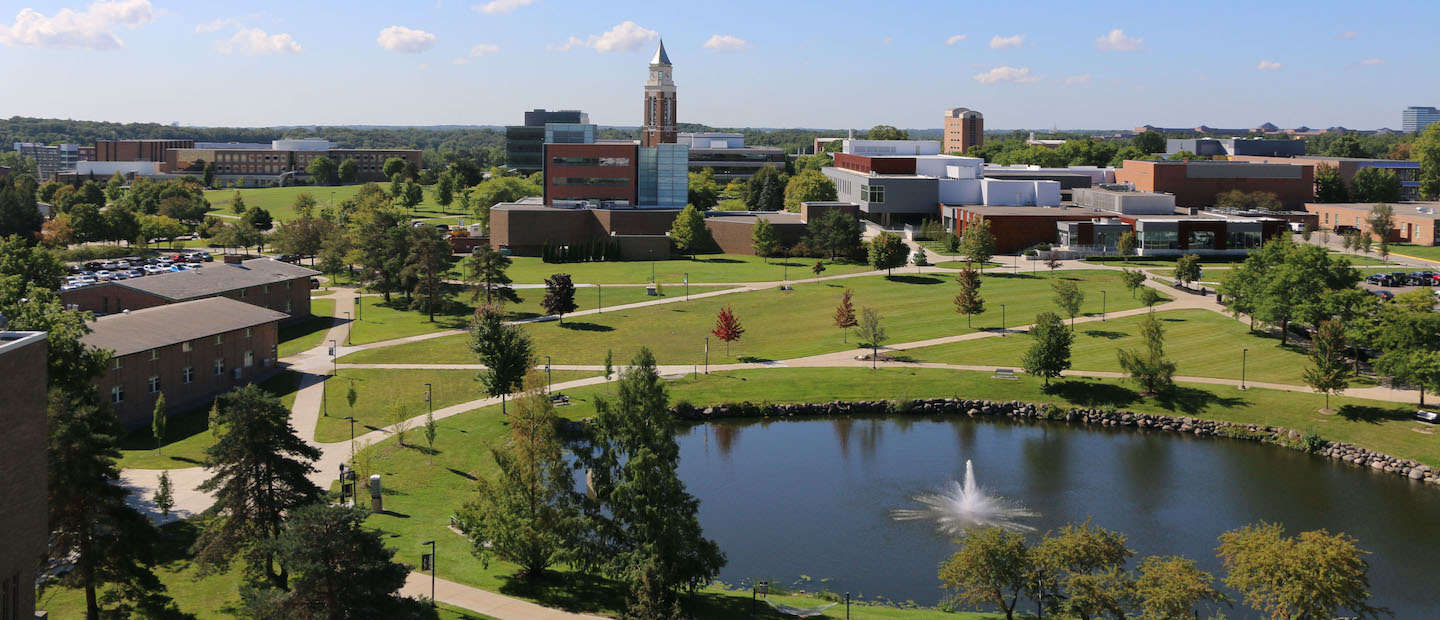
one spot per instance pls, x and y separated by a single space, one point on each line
739 63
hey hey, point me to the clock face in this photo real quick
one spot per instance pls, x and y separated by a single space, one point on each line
660 75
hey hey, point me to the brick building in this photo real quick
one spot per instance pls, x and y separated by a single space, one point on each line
1407 171
137 150
524 228
1196 183
1415 222
263 282
596 172
23 474
191 352
278 160
964 128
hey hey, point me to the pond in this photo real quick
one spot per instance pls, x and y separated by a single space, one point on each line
813 498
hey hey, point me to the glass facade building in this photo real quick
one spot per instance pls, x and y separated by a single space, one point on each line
664 175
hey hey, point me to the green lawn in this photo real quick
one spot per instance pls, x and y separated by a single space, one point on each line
187 433
960 264
708 268
376 389
1201 342
779 324
1426 252
279 200
387 322
307 335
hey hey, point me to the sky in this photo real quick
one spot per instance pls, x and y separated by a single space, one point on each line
832 64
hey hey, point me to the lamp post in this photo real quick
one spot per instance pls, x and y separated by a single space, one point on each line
707 355
652 266
1243 354
359 301
351 418
1002 320
347 328
324 400
687 286
549 386
785 266
429 404
1102 304
599 302
429 560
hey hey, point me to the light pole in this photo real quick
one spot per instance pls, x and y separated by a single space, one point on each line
324 387
687 286
549 386
1002 320
785 269
707 355
652 266
429 560
1243 354
1102 304
351 418
347 328
429 404
359 301
599 302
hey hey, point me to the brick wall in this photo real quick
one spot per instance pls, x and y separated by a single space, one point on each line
1017 232
110 297
736 237
22 469
1200 192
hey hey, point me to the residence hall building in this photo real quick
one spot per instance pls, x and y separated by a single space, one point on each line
263 282
964 128
24 513
523 143
1415 222
275 163
726 156
1407 171
137 150
191 352
1196 183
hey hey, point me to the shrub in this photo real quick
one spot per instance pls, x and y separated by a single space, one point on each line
1031 253
1312 442
1044 247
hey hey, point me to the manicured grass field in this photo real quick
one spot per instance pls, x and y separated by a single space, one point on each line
1426 252
376 389
308 334
780 324
426 494
1201 342
279 200
188 433
382 322
960 264
707 268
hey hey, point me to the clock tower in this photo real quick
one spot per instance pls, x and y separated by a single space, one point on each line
659 127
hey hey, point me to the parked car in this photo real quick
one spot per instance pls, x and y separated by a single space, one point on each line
442 227
122 264
1384 295
314 283
1378 279
286 258
153 269
134 273
1427 416
109 265
93 265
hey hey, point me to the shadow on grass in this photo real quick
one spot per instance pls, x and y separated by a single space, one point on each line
1017 276
312 325
912 279
462 474
721 261
569 591
747 359
1088 394
1372 415
1108 335
1194 400
587 327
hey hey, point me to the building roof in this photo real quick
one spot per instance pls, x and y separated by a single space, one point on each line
141 330
217 278
661 58
1422 210
750 217
1063 211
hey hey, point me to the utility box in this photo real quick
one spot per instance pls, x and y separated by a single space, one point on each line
376 504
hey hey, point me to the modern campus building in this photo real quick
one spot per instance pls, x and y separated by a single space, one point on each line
1407 171
47 158
964 128
659 126
24 513
1229 147
1196 183
727 157
191 352
137 150
263 282
1415 222
523 143
1417 118
278 162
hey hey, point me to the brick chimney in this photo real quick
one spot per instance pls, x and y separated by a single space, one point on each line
234 259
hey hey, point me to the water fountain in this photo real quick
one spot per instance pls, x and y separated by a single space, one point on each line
965 504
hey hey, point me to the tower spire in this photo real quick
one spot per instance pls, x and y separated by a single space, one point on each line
659 121
661 58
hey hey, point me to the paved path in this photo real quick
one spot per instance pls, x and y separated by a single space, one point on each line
485 602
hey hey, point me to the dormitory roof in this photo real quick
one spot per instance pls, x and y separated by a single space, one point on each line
217 278
141 330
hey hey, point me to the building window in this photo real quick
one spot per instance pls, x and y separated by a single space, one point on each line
243 293
288 284
154 354
590 181
1159 240
187 346
266 289
154 384
249 359
287 306
188 374
249 331
872 193
117 394
117 363
219 367
1200 239
219 338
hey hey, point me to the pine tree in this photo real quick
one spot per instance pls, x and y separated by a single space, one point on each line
237 204
969 302
341 568
727 327
1049 352
157 423
1330 372
845 315
485 273
164 495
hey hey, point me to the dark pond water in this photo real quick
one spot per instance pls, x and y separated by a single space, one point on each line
813 498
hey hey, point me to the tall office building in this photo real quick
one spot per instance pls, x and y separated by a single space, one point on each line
659 125
964 128
1417 118
524 143
47 158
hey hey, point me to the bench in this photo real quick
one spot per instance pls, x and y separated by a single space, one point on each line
1004 373
560 399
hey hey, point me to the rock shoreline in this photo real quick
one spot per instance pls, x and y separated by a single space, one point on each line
1277 435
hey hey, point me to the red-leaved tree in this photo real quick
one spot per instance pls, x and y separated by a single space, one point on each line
727 327
845 315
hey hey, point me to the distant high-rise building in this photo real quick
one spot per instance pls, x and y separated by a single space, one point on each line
659 127
1417 118
47 158
524 143
964 128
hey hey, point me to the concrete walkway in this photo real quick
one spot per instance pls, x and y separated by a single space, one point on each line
483 601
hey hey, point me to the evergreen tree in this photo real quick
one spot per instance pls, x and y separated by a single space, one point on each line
642 524
764 238
559 297
765 191
835 232
689 233
164 495
260 470
208 176
427 265
237 203
18 213
1149 367
969 302
157 423
1049 351
485 273
506 351
525 514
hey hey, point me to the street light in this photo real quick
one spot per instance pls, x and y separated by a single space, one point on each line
549 386
1243 354
599 302
707 355
347 328
351 418
1002 320
324 401
786 266
1102 304
687 286
428 561
430 405
652 266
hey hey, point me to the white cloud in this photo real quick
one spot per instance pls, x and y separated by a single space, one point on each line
483 49
955 39
256 42
726 43
1116 41
460 61
215 25
1077 79
625 37
998 42
1348 34
402 39
1266 65
90 29
500 6
1373 61
1006 74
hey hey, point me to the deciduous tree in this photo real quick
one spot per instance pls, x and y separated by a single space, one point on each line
323 170
887 252
1427 149
969 302
1171 587
992 567
1127 244
1149 367
1187 269
1068 298
1330 372
845 315
1049 351
1381 221
872 331
347 170
506 351
1313 575
727 327
704 190
808 186
763 237
1329 185
978 244
689 233
164 495
559 296
1133 280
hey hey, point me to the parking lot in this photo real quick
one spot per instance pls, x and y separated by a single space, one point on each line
95 272
1412 281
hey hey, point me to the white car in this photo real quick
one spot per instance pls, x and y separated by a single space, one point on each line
104 275
134 273
122 264
153 269
109 264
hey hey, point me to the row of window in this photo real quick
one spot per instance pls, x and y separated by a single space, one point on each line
186 347
187 376
872 193
590 181
590 161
